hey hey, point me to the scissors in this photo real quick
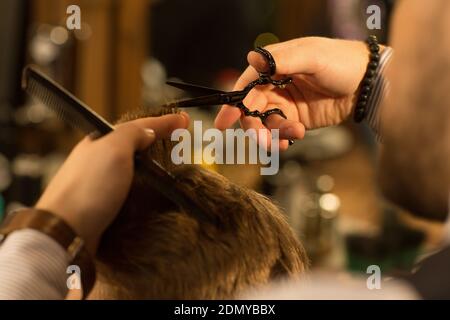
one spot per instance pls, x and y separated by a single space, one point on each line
210 96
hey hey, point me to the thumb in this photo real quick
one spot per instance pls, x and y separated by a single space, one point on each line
138 134
289 59
131 135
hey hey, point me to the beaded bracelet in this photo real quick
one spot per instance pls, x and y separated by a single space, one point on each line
367 82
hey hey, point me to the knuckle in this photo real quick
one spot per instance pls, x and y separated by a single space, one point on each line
316 63
130 127
309 40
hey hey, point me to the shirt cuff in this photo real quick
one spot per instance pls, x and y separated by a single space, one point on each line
379 90
32 267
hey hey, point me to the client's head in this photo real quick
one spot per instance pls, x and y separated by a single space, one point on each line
155 250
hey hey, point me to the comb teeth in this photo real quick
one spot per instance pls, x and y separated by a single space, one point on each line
65 106
38 91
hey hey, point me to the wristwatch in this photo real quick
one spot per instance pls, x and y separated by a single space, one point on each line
57 229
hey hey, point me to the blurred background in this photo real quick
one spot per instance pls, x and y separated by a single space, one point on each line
122 56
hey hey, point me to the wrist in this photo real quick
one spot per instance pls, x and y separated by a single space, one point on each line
364 60
56 228
366 84
380 90
72 217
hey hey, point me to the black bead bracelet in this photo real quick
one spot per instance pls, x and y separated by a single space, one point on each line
367 82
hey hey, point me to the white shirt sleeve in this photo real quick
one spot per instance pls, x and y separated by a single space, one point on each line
379 90
32 267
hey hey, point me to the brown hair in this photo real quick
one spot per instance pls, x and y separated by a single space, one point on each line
154 250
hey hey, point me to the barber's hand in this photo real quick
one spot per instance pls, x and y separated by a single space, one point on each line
91 186
326 74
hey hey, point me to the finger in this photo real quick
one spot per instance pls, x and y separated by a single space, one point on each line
130 136
259 101
228 114
227 117
260 97
162 126
256 99
263 136
289 129
249 75
259 62
141 133
272 123
292 58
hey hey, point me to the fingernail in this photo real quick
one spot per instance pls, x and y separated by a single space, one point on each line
150 133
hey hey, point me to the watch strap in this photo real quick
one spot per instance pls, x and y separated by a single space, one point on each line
57 229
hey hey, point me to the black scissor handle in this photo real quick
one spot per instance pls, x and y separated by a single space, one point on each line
262 115
266 77
270 60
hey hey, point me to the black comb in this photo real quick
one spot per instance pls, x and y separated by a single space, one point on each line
63 103
78 115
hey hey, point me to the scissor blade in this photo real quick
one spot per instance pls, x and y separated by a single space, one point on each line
210 100
193 89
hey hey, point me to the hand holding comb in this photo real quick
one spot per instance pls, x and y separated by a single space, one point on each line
80 116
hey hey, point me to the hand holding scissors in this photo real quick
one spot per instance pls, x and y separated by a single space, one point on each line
210 96
326 74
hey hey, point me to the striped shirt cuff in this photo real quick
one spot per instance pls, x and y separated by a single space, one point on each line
32 267
379 90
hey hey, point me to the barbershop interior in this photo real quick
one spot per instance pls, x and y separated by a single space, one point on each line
119 59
